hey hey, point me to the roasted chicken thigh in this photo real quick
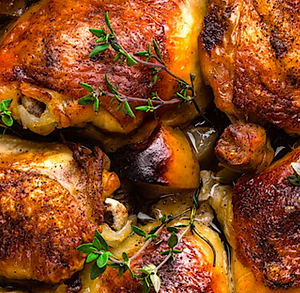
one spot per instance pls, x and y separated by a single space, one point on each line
266 223
50 202
192 270
46 55
260 218
249 52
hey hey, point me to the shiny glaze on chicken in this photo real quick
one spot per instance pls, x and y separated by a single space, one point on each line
249 53
50 203
46 55
266 224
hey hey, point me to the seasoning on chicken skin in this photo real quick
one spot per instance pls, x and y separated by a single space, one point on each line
50 203
249 52
266 224
46 55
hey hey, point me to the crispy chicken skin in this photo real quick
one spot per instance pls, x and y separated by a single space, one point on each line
192 271
244 147
266 223
46 55
249 55
50 203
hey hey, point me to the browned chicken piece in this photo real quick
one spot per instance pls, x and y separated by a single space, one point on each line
192 271
46 55
244 147
249 54
245 279
50 203
266 224
162 163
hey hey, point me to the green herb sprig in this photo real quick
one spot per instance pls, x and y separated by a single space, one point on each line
6 118
98 251
106 39
295 180
5 114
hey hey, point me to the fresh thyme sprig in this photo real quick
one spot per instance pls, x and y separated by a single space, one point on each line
98 251
106 39
6 118
295 180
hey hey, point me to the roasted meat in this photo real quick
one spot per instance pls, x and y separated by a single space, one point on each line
46 55
50 203
249 53
266 224
244 147
192 271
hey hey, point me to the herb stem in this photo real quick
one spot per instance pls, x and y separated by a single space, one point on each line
157 233
161 64
179 239
159 102
112 259
146 244
194 229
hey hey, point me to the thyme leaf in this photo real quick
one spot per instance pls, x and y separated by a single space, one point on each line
6 118
98 49
139 231
96 271
127 110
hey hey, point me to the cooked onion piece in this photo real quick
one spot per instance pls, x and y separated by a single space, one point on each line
203 141
115 238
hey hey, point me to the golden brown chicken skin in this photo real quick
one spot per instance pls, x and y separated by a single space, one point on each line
249 53
176 276
244 148
50 203
266 223
192 271
46 55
